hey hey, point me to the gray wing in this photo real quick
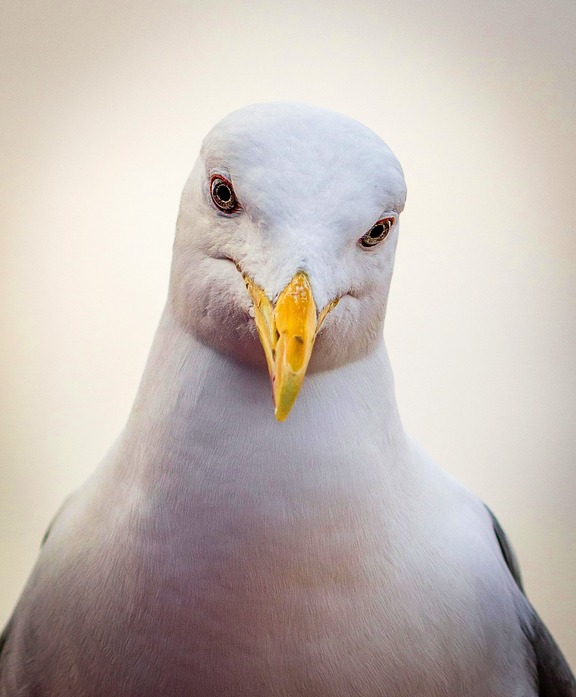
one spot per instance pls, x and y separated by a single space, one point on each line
3 642
553 675
4 637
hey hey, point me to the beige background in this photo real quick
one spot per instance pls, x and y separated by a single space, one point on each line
104 105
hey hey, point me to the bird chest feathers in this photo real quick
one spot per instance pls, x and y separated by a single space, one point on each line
329 585
318 600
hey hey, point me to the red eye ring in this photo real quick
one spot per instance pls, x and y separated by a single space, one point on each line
378 232
222 194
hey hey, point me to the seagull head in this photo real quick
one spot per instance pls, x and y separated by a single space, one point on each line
285 242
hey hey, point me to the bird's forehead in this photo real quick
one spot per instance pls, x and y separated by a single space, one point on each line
284 152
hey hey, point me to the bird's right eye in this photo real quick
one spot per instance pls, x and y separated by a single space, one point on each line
223 195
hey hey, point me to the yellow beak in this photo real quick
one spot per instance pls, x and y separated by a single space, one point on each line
287 332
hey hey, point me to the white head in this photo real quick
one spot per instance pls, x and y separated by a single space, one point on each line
279 189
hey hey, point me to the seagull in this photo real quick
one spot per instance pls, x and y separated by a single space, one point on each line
264 526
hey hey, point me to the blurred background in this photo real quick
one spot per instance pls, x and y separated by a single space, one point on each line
103 109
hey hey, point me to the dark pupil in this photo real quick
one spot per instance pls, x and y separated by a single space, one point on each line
376 231
223 192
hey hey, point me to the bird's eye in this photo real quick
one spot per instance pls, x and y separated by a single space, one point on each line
376 233
223 194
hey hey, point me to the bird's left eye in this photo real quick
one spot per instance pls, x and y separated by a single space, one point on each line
223 194
376 233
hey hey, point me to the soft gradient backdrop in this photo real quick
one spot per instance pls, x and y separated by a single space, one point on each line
103 108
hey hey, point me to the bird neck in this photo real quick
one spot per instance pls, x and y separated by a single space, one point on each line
196 407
